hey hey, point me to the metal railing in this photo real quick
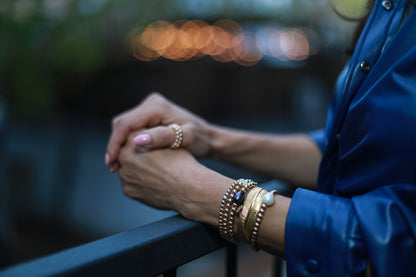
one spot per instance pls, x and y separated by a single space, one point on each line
151 250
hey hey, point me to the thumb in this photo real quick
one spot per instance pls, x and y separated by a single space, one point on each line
155 138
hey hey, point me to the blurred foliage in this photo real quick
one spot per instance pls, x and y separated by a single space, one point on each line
39 44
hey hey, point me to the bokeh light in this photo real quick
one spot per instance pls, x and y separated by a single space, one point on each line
224 40
294 44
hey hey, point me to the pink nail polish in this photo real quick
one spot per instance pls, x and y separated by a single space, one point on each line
107 158
142 140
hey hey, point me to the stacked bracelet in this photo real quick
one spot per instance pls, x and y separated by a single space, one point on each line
249 202
244 214
230 206
225 209
238 201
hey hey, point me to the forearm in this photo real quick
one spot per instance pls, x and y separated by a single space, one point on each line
293 158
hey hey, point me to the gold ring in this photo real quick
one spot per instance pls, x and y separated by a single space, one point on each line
179 135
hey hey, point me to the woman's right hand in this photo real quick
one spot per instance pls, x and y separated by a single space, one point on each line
153 117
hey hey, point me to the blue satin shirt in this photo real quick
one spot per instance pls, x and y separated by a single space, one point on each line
363 216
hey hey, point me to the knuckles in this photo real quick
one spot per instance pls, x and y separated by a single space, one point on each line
116 122
128 190
154 100
129 182
154 96
157 100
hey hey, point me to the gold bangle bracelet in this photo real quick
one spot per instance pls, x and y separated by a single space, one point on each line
241 233
252 214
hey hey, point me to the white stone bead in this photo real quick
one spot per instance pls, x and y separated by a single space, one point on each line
268 198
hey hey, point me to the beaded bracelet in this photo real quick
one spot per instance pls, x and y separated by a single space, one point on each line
267 201
225 209
238 201
230 204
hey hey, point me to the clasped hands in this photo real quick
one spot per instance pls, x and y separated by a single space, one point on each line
157 175
153 173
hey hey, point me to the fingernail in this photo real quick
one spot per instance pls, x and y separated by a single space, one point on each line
111 168
107 158
142 140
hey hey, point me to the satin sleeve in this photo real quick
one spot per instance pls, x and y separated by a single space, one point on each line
317 136
329 235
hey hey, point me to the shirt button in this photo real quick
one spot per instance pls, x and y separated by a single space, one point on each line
365 66
387 5
312 266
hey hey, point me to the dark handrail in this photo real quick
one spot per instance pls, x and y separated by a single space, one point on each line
145 251
149 250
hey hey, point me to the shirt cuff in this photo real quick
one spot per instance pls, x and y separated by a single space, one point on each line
318 137
322 236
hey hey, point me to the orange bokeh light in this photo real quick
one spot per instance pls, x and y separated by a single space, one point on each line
294 44
249 51
224 41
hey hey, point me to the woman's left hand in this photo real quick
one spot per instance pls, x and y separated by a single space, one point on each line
171 179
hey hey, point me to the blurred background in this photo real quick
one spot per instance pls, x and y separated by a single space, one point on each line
68 66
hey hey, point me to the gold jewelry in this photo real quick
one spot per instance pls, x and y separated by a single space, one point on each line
230 206
252 214
251 195
267 200
179 135
225 209
238 201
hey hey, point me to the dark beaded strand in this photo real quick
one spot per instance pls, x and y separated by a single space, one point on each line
230 204
225 210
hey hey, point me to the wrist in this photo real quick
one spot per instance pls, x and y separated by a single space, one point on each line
218 141
251 214
202 200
